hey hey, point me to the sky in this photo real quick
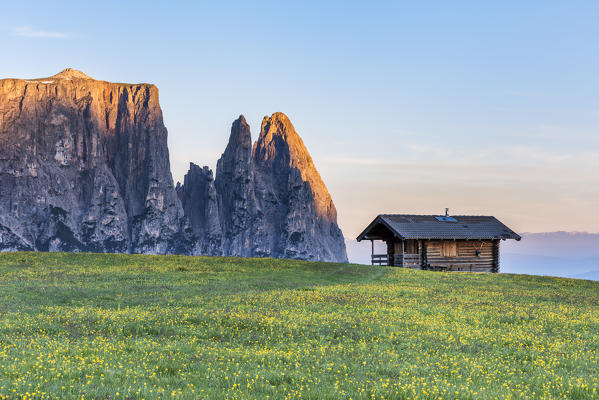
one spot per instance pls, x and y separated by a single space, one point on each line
487 108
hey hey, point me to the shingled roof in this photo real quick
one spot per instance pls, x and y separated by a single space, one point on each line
405 226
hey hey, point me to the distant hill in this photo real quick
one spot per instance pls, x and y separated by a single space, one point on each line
565 254
556 244
537 264
591 275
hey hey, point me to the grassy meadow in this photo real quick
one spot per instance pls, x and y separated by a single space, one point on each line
152 327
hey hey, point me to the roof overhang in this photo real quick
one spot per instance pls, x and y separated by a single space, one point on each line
377 221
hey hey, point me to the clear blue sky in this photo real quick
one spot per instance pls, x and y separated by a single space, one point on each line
484 107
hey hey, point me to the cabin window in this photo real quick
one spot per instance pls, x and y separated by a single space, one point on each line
449 249
410 247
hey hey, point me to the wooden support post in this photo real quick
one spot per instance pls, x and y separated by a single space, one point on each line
372 252
403 250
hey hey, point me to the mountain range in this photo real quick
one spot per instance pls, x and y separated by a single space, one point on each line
84 166
566 254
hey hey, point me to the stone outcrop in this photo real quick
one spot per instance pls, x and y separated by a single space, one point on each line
271 200
84 166
200 205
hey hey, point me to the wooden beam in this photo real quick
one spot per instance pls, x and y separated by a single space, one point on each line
421 252
390 252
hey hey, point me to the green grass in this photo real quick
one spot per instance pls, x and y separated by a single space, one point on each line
133 327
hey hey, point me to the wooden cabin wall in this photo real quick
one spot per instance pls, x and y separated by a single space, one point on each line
466 259
412 257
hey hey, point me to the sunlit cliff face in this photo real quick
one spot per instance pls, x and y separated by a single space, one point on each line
278 137
86 166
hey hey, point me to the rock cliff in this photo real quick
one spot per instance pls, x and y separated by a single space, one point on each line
84 166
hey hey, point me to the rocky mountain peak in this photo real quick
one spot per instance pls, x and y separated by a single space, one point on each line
280 146
278 124
71 73
240 139
278 136
287 210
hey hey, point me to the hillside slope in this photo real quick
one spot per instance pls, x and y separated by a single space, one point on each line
121 326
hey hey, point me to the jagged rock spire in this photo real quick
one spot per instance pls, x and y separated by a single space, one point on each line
235 191
301 219
280 146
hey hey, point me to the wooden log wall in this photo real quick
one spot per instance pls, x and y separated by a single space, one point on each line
467 258
408 261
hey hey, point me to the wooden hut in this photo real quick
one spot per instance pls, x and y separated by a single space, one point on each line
449 243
